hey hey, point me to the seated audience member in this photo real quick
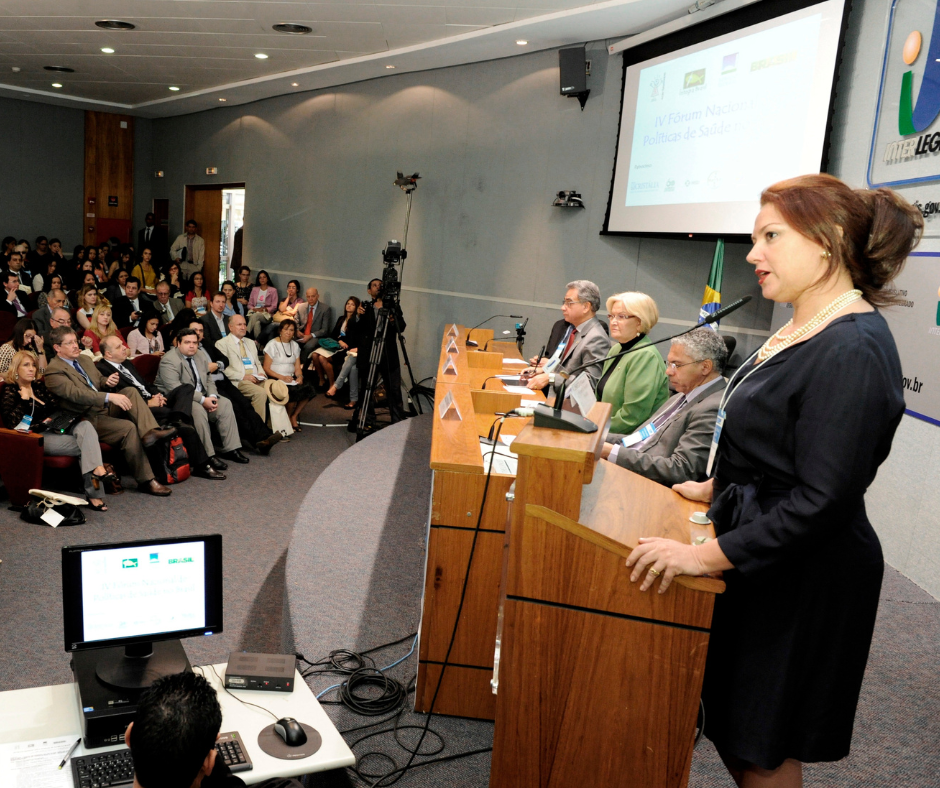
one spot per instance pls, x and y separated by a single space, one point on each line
25 338
42 317
39 259
313 322
175 279
24 278
88 299
251 427
122 420
146 339
197 298
172 738
12 301
184 365
585 341
26 403
672 447
123 261
176 407
100 271
232 305
145 271
242 366
127 310
6 249
116 284
282 362
101 326
61 318
635 384
243 287
41 277
54 282
286 310
167 306
55 249
262 304
215 321
344 334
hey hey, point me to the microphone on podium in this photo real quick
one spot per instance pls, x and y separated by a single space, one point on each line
558 419
470 343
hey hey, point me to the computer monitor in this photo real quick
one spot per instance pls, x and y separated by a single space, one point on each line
135 600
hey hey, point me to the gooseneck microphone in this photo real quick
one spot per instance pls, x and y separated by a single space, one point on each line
558 419
468 343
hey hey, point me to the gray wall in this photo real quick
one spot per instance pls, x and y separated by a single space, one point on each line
42 158
493 142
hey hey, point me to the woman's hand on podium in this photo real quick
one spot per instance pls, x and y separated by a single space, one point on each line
696 491
665 558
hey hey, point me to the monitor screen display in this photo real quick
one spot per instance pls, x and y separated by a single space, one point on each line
115 594
707 126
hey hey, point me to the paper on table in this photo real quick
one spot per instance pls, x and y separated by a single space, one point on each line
504 461
515 362
507 439
509 378
517 389
35 764
529 403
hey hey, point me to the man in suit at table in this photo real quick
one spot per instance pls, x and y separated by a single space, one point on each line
184 365
586 340
673 446
167 306
123 420
176 407
215 323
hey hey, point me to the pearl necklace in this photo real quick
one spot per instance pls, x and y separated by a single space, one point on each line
783 342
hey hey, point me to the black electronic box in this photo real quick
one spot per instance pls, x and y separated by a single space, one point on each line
268 672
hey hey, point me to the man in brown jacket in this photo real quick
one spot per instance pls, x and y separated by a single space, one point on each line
122 420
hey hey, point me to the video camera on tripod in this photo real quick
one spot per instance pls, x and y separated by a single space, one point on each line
392 255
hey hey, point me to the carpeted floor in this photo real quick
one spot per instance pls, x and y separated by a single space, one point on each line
359 543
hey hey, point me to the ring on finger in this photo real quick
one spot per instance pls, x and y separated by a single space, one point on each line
654 572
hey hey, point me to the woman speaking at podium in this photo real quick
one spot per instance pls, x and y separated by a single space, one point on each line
802 428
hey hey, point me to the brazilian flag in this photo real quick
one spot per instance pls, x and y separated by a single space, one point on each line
711 301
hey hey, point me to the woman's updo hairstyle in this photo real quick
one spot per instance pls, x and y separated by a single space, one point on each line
879 228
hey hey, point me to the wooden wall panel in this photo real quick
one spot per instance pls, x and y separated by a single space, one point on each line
109 172
465 692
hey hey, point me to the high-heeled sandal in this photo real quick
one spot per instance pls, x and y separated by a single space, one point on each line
103 507
110 481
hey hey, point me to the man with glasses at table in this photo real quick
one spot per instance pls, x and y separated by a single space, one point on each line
584 341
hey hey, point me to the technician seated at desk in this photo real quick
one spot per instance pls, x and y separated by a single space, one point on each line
172 738
672 447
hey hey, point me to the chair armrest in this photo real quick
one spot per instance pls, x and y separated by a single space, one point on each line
20 464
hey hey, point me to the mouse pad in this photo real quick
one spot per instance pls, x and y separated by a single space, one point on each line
273 745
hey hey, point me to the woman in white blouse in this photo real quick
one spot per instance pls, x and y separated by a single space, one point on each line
282 362
87 301
147 338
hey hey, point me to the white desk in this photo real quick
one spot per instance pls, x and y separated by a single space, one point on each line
50 712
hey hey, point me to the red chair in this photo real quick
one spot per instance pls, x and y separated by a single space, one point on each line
147 365
126 332
22 462
7 321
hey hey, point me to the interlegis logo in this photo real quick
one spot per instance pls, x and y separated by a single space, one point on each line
913 119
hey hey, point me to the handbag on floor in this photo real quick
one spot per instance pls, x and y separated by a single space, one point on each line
52 508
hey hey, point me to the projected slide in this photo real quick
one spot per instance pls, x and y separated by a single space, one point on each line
143 590
706 128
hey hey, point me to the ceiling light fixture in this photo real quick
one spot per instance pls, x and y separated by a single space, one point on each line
390 67
57 84
59 69
261 56
107 50
521 42
295 84
222 99
292 28
114 24
174 88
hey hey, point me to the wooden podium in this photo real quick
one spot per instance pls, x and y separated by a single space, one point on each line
597 683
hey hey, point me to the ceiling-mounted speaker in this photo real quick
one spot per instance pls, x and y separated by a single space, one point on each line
571 71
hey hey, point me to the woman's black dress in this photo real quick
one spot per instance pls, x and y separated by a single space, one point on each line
803 438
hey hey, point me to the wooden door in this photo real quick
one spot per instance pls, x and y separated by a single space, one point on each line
205 206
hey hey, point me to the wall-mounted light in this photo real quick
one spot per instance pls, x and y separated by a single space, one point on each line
174 88
261 56
570 199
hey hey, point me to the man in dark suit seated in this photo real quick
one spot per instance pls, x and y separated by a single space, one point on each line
672 447
12 302
17 265
127 309
42 317
123 420
215 322
176 407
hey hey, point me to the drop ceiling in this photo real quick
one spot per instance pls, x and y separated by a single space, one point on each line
208 48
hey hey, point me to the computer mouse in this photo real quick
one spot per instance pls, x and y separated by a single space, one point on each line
290 731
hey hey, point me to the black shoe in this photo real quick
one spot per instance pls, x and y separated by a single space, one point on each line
208 472
216 464
236 456
264 447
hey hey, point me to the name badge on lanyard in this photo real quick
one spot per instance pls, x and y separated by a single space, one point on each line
719 423
23 426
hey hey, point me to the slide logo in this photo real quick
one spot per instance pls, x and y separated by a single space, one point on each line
129 563
729 64
694 79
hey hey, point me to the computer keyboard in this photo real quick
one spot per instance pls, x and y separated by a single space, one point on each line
106 769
